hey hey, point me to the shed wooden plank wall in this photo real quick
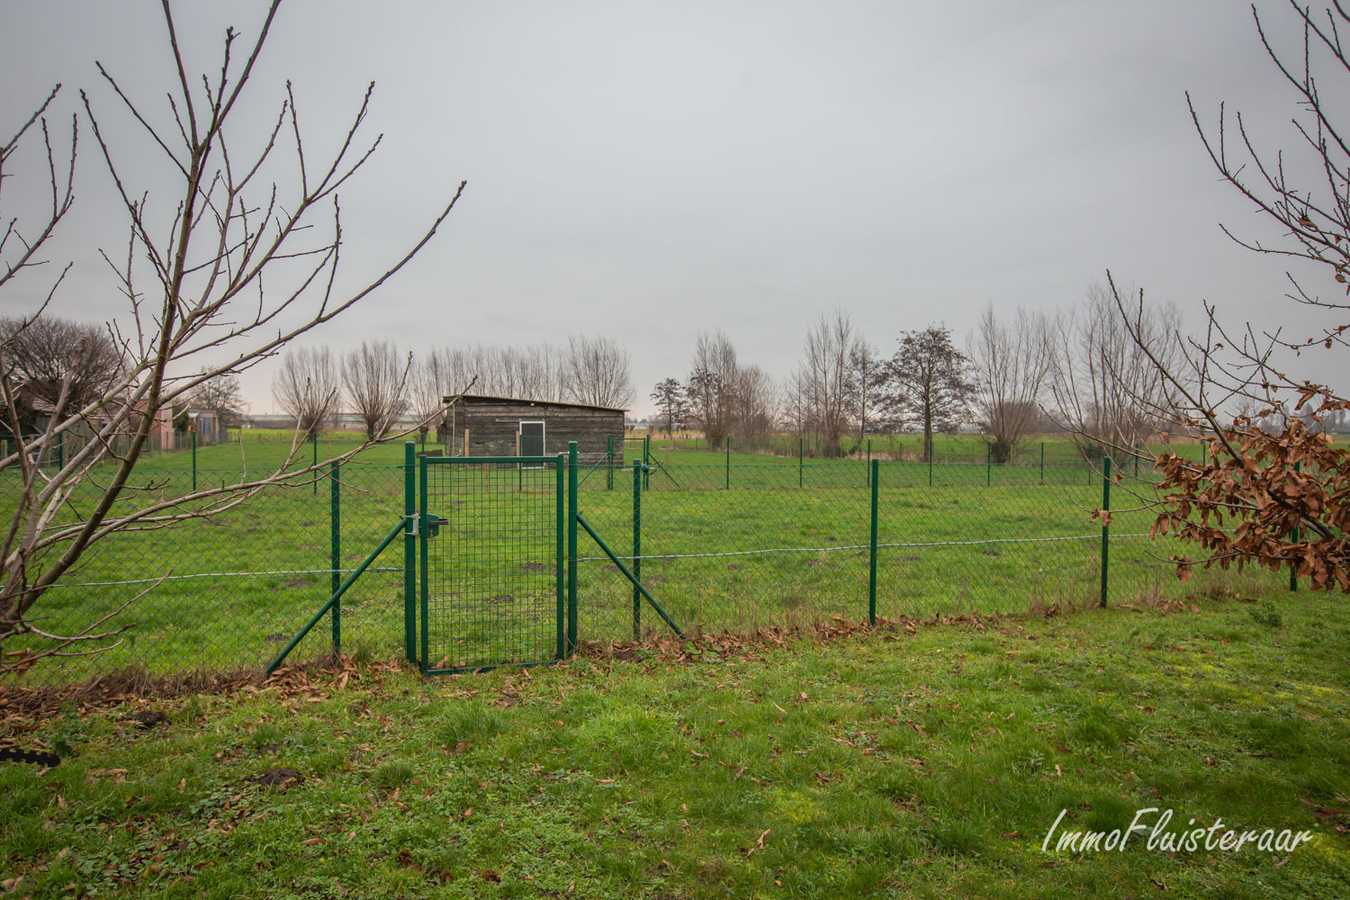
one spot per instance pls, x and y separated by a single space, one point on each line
494 423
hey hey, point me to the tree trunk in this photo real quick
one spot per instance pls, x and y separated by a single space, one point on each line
928 433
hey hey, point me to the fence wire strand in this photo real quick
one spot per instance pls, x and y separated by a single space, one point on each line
727 542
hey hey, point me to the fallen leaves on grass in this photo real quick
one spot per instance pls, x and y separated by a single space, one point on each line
282 779
118 775
145 719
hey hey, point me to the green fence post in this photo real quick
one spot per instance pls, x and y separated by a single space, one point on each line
1293 573
801 460
335 550
637 550
571 547
647 462
609 467
559 551
313 443
60 451
875 466
988 464
194 461
728 463
410 554
423 536
1106 529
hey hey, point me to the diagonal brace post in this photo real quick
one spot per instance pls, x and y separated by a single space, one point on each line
337 595
629 575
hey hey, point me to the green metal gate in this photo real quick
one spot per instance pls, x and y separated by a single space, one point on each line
493 561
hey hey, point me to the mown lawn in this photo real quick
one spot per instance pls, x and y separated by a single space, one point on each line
898 763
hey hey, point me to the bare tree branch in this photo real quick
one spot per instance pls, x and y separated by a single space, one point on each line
207 252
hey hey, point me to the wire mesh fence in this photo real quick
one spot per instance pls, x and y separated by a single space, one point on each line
57 449
719 544
943 450
740 546
226 592
492 561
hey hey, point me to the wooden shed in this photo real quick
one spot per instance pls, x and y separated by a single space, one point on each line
506 426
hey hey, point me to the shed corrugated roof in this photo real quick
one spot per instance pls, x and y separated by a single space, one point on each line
451 400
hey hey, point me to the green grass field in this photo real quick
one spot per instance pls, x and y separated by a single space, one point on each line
785 543
265 447
948 449
893 764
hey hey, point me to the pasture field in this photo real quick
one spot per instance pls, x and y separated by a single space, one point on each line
890 763
949 449
262 447
763 541
783 545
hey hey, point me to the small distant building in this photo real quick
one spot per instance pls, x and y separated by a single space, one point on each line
476 425
206 422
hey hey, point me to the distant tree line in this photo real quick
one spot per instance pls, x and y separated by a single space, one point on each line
378 385
313 384
1017 374
56 362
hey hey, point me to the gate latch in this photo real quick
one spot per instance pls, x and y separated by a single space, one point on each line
434 524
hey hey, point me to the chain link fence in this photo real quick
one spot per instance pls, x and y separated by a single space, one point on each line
720 544
227 592
743 545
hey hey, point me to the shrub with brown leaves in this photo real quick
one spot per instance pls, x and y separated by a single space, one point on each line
1278 500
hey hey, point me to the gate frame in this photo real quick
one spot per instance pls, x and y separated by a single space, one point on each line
564 556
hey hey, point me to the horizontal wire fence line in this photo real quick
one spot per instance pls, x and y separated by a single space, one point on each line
228 592
739 546
67 445
946 449
724 544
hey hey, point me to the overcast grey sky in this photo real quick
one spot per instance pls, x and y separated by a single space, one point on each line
648 171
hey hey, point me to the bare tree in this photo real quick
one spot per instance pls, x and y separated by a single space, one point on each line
928 381
671 402
223 396
599 372
1273 499
824 385
545 374
204 255
427 387
1104 387
306 387
755 407
455 365
536 372
49 354
867 371
711 385
1012 363
376 381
